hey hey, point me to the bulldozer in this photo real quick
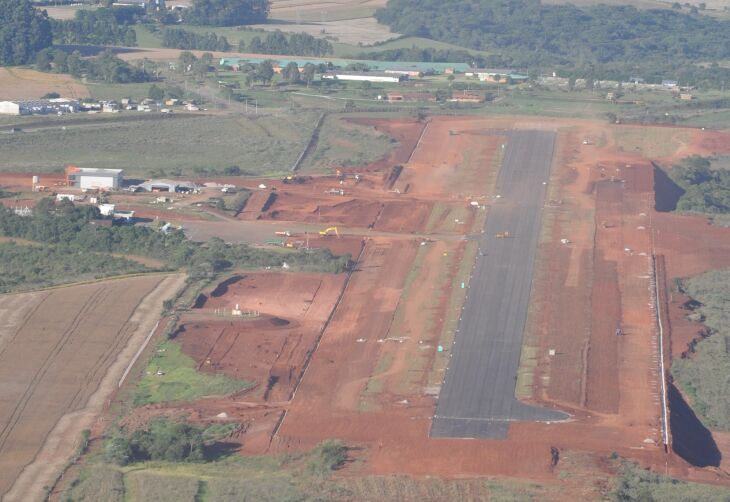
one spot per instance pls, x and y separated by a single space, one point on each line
330 231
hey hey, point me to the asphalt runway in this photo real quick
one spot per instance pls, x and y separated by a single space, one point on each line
477 399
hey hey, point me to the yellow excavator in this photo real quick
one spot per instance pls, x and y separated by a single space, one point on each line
330 231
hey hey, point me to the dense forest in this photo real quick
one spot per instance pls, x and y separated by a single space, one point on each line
295 44
227 12
706 190
23 32
529 34
68 225
188 40
105 26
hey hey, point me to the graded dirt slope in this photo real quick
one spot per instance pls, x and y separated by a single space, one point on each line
288 312
56 349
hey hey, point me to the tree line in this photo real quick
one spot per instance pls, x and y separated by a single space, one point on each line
183 39
618 40
226 12
24 31
68 224
29 267
295 44
104 26
105 68
427 55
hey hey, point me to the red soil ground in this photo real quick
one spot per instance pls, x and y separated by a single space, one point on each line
272 347
366 387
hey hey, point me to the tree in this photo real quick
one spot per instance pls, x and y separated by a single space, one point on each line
24 31
75 65
308 73
291 72
264 72
43 60
156 93
227 12
366 85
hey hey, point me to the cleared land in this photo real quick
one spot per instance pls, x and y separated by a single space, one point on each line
58 350
375 372
23 83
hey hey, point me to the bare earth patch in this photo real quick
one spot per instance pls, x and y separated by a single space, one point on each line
22 83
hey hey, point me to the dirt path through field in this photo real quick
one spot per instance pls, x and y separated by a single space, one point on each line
77 381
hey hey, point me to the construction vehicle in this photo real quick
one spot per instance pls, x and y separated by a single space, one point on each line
503 235
330 231
292 179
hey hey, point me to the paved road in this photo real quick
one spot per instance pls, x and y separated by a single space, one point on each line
477 399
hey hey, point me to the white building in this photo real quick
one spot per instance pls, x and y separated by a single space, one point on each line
94 179
39 106
365 76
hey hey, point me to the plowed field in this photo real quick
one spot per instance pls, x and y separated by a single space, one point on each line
56 351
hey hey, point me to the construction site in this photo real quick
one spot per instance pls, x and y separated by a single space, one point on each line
508 284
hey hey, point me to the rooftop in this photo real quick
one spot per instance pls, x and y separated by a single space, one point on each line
98 172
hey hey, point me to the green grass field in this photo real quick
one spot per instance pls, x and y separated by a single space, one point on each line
173 145
171 376
342 143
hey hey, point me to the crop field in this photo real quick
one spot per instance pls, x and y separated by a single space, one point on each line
176 145
61 354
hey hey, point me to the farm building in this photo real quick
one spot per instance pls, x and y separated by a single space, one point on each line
39 106
467 97
365 76
167 186
94 179
414 72
499 76
393 97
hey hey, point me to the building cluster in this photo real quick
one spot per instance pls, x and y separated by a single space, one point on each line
60 106
57 106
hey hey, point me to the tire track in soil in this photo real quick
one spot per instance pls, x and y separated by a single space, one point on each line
44 367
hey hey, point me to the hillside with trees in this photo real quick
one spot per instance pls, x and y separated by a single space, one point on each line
24 31
227 12
706 190
610 40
